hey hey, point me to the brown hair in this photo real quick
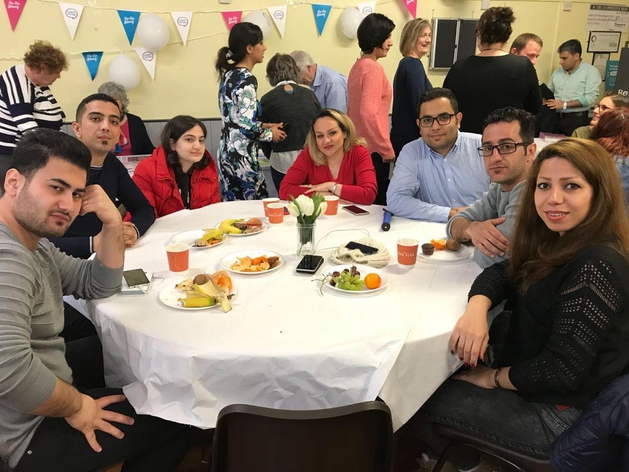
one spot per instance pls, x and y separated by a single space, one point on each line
612 131
494 26
281 67
411 33
346 125
536 250
521 41
42 54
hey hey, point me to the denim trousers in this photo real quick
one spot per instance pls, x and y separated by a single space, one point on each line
500 416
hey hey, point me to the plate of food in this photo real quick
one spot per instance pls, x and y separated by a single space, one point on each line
242 226
252 262
200 238
354 279
444 250
201 292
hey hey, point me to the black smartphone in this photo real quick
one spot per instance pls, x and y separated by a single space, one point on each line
135 277
286 212
310 264
355 210
367 250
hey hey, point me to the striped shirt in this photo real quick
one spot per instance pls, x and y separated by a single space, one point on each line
24 106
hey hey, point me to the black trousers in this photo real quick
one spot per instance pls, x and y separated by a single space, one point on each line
566 123
277 179
382 178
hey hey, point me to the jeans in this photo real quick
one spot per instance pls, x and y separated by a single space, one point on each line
501 416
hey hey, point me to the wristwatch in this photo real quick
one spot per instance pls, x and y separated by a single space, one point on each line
565 105
333 189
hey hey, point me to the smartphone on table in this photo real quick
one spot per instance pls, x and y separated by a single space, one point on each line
310 264
355 210
367 250
135 277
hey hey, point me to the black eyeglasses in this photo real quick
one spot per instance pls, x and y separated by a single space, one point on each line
443 119
503 148
602 107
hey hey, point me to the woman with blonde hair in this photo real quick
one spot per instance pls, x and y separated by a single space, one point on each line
409 83
568 282
334 162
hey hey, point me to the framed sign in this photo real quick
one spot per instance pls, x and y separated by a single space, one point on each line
604 41
599 60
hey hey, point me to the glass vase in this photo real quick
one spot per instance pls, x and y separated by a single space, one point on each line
305 239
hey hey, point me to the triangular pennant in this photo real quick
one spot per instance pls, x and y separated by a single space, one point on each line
182 22
14 10
129 20
367 8
321 14
411 6
72 15
148 58
279 17
92 61
231 18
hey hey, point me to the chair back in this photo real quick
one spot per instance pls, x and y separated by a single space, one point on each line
354 438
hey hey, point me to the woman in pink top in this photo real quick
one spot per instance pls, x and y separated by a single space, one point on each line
335 162
369 96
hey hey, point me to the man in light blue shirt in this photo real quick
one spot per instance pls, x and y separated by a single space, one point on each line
329 86
441 173
575 85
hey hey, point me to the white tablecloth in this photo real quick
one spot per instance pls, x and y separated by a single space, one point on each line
283 345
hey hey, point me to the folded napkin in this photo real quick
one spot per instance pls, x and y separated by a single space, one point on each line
342 255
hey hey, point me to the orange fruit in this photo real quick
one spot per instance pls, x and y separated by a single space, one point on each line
372 281
223 280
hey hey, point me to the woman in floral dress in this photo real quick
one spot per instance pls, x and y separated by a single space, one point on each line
239 170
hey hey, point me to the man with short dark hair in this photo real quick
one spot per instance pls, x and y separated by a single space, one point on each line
508 151
97 126
439 174
329 86
529 45
47 423
575 85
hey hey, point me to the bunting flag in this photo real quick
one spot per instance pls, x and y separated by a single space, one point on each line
367 8
321 14
182 22
92 61
72 15
231 18
14 10
129 20
279 17
411 6
148 58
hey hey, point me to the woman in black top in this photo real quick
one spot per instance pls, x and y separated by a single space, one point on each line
493 78
568 283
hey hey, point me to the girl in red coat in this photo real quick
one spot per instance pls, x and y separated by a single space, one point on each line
180 173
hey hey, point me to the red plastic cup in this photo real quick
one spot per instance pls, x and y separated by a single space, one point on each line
407 251
178 257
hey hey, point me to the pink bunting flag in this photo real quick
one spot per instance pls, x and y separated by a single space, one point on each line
14 10
231 18
411 6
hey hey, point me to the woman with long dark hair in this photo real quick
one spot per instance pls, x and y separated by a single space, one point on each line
180 173
568 283
240 173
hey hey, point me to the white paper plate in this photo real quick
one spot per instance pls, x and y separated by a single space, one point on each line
264 227
364 270
189 237
447 256
170 296
228 260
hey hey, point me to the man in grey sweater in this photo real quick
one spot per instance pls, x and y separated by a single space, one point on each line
46 422
508 151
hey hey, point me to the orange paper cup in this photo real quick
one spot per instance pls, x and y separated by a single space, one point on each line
266 202
178 257
407 251
333 205
275 212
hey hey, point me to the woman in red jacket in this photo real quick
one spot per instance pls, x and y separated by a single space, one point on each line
180 173
335 162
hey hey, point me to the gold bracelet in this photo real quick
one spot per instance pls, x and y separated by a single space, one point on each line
497 377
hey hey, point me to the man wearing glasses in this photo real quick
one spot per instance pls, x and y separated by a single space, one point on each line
508 151
439 174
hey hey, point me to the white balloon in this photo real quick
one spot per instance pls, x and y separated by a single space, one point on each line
124 71
350 19
153 32
258 17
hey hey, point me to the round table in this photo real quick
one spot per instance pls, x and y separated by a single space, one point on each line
283 344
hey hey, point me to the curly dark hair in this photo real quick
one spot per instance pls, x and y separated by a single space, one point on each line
494 26
42 54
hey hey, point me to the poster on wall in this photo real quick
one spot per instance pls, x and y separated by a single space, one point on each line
604 41
621 87
599 60
603 17
611 70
